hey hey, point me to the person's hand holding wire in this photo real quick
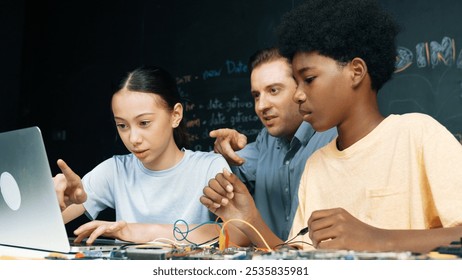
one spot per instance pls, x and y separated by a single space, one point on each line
229 198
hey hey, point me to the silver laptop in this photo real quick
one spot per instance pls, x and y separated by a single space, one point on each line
30 216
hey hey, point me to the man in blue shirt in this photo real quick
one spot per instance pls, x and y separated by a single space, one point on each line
271 166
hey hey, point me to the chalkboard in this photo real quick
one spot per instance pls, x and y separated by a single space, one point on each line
214 40
218 106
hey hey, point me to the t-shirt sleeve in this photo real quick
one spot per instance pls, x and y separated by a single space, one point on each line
97 184
442 157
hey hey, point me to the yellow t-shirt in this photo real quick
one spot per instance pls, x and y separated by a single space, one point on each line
405 174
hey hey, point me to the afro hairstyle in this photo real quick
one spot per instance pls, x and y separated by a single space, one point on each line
342 30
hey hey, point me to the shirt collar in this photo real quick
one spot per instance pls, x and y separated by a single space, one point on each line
303 134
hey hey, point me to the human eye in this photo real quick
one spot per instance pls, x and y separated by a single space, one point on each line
274 90
309 79
144 123
255 94
121 126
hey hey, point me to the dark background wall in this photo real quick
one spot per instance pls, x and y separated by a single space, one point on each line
60 61
11 34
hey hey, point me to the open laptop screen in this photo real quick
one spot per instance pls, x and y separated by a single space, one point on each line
30 216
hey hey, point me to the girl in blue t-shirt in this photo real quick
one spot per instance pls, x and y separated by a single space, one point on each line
158 183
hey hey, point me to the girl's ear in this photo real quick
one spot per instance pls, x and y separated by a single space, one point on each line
358 70
177 115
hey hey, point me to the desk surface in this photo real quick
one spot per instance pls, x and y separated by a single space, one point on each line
14 253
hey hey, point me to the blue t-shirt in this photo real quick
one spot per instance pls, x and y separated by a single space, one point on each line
272 172
140 195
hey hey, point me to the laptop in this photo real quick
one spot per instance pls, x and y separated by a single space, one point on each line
30 216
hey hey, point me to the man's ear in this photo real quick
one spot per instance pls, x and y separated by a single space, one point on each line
177 114
358 69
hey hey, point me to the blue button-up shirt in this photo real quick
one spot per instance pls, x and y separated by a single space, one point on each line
272 170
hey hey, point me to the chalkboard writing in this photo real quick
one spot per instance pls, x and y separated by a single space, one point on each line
225 101
429 54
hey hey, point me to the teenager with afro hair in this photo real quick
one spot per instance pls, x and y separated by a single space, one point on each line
385 183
